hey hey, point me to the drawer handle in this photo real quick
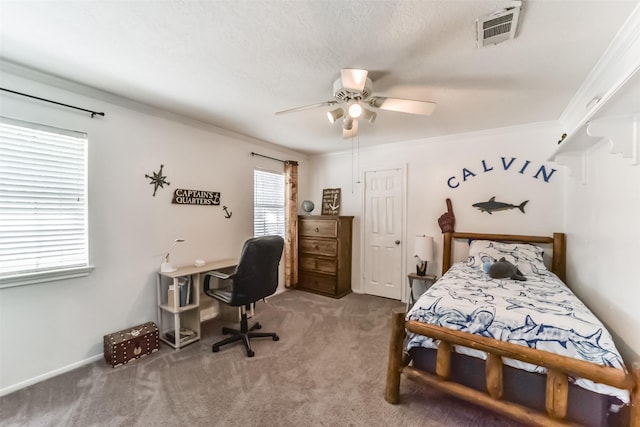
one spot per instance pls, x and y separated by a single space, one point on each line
317 230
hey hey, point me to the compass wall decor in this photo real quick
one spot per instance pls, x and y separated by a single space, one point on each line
157 180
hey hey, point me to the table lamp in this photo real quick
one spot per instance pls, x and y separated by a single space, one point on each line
165 267
423 251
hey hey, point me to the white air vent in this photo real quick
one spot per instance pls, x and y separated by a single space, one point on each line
497 27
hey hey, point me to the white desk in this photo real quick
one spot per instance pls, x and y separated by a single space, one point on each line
171 316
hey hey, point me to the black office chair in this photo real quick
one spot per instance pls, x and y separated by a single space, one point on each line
255 278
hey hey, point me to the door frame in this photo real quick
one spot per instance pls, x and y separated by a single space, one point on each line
403 230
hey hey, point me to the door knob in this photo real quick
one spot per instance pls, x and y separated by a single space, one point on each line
397 242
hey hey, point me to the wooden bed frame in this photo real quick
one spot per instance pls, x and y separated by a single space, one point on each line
558 367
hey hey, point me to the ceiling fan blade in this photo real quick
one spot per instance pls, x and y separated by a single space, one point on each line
308 107
346 134
353 79
400 105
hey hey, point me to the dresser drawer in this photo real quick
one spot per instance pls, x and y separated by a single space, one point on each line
318 283
319 228
319 247
321 265
324 254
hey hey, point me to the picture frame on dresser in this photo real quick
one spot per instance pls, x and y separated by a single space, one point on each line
331 201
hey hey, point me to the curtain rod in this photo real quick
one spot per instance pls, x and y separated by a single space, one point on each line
273 158
93 113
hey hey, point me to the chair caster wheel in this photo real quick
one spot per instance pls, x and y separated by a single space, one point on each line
258 326
250 353
276 338
215 349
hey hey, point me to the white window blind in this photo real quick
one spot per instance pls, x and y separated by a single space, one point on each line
43 204
268 203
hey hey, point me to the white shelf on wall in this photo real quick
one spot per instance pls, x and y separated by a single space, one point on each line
621 132
607 105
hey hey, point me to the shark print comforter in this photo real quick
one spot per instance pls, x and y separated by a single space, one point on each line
540 312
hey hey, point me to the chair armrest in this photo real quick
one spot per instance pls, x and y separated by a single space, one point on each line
219 274
222 274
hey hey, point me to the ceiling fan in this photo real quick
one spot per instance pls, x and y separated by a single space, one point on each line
355 89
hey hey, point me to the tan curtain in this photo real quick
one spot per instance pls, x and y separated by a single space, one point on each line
291 224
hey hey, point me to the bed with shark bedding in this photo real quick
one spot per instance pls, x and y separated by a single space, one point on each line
528 348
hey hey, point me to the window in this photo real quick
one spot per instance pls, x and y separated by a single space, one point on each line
43 204
268 203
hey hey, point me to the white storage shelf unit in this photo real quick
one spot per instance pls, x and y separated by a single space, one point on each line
171 316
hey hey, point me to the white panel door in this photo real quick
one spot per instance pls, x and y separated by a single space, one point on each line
383 216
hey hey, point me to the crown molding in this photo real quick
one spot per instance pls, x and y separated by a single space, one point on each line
10 71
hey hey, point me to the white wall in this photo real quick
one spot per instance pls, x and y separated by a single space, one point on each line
603 227
430 163
48 328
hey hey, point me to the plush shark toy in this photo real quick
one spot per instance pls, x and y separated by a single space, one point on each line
503 269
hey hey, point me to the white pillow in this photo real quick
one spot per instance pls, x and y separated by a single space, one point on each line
527 257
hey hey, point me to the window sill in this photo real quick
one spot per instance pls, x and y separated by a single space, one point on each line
45 276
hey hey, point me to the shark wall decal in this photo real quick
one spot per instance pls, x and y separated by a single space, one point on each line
491 206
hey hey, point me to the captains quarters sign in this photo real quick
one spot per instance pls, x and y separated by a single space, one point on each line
512 164
195 197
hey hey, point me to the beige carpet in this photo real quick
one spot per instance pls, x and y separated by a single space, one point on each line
328 369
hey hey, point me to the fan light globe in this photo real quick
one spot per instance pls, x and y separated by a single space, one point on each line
347 123
335 114
355 110
369 115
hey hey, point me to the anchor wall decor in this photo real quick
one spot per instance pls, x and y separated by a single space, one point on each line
330 201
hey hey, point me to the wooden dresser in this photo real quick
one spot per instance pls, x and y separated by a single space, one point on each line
325 254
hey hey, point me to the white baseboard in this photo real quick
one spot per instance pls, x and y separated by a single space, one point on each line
56 372
51 374
279 291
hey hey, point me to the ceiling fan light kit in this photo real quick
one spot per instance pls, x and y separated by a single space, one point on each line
354 88
355 110
347 123
369 115
335 114
352 131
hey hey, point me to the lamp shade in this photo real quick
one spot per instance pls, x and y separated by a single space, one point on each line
423 248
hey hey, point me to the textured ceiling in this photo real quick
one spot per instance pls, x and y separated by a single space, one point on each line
233 64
